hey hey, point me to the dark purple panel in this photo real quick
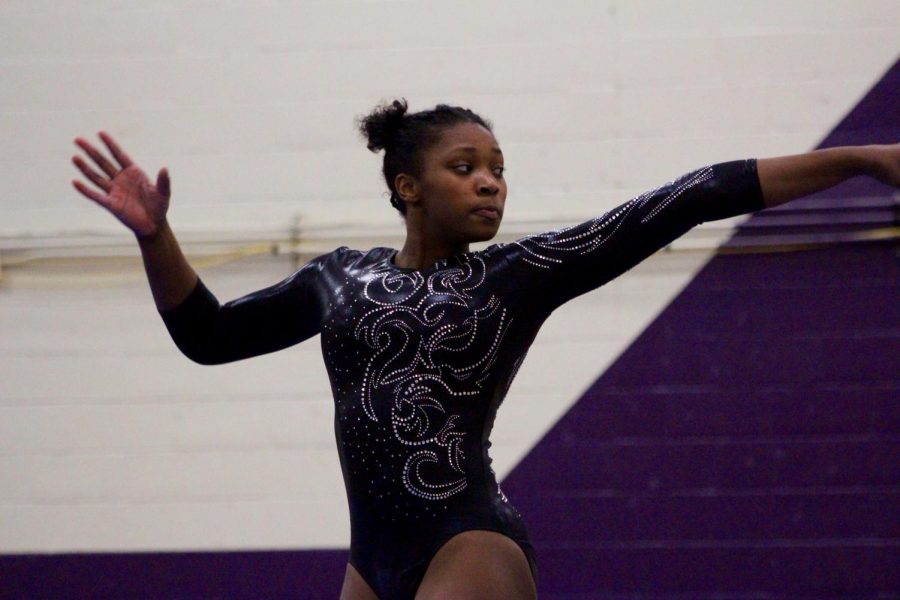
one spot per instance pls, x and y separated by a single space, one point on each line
849 569
869 266
644 413
232 575
712 463
808 513
694 359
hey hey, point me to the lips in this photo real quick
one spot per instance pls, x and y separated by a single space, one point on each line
488 212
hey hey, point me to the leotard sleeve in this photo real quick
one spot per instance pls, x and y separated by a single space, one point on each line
260 322
553 267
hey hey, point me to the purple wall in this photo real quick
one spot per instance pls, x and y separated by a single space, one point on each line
174 575
744 446
747 444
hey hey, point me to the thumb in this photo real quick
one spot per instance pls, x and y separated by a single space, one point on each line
162 183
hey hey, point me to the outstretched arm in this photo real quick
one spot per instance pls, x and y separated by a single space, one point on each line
553 267
205 331
786 178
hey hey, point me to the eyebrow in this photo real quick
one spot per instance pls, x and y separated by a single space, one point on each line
495 149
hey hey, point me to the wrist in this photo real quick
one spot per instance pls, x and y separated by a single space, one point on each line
153 237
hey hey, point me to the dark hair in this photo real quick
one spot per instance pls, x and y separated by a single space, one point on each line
405 137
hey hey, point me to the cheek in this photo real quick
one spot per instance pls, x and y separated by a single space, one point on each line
446 188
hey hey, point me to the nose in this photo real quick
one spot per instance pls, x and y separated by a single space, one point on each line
488 187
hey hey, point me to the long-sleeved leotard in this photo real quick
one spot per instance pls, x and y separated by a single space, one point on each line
420 360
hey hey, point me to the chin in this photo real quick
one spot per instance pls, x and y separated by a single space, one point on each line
484 235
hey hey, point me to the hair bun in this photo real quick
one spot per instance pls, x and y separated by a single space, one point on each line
381 125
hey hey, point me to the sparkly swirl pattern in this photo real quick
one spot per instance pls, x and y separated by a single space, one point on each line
420 329
545 250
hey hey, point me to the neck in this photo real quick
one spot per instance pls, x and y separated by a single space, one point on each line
421 251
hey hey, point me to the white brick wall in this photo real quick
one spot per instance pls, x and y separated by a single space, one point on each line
110 440
251 104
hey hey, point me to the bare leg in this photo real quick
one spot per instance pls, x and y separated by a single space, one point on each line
355 587
478 565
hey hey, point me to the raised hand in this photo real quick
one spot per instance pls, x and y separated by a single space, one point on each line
126 190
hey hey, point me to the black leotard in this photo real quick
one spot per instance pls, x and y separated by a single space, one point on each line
420 360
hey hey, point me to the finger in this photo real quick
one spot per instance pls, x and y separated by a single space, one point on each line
163 186
117 152
101 199
101 160
85 168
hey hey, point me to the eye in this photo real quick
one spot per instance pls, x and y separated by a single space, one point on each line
463 168
499 170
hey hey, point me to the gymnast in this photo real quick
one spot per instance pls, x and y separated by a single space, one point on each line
422 343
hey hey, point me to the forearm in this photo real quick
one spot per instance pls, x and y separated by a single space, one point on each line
170 276
786 178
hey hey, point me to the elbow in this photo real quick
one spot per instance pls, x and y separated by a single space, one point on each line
202 355
204 359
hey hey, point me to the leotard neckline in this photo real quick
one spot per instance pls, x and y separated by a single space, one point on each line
454 260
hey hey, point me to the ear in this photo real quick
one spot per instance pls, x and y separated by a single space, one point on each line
407 187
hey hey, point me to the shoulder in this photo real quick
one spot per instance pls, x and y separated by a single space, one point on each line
543 249
344 258
319 265
353 257
339 255
496 260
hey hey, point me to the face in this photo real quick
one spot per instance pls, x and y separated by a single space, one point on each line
461 190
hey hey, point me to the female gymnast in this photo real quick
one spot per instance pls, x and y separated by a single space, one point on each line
421 344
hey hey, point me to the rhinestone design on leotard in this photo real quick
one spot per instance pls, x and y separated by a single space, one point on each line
422 354
550 248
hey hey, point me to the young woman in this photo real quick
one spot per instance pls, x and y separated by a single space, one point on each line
421 344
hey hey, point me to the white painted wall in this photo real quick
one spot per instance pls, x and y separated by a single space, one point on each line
110 440
251 104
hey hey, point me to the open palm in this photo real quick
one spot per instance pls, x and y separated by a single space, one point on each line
126 190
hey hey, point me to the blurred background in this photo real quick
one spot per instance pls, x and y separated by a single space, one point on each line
111 442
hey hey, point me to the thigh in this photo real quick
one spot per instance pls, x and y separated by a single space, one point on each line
478 564
355 587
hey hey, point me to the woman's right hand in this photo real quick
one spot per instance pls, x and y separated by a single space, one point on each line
127 191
